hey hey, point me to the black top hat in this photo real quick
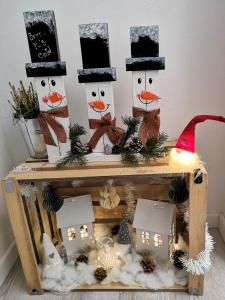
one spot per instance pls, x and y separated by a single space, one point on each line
145 49
94 42
43 44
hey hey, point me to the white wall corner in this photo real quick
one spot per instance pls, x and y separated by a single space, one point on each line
222 225
7 261
213 220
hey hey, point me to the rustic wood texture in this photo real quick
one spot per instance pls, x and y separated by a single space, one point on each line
151 182
197 220
22 236
36 229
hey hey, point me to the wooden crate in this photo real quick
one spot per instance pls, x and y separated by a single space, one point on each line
29 220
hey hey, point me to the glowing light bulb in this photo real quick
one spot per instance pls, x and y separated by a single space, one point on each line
183 156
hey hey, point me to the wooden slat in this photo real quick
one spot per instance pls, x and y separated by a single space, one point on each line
120 286
197 221
102 213
108 171
56 235
22 237
44 215
155 192
36 230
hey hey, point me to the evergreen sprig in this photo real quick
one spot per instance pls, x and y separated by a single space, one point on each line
24 102
132 127
153 149
78 149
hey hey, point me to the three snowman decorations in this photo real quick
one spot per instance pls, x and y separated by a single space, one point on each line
48 71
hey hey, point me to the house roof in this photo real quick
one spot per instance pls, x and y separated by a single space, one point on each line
75 211
154 216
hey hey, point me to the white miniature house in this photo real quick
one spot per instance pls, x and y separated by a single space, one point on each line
75 219
155 227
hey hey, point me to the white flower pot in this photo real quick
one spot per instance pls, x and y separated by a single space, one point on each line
33 137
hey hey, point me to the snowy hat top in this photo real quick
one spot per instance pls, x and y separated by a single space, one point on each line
94 42
145 49
43 44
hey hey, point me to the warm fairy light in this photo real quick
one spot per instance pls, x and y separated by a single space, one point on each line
107 256
183 156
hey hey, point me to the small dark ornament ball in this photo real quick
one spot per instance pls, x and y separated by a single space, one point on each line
178 192
100 274
177 254
148 265
115 229
81 259
135 145
115 149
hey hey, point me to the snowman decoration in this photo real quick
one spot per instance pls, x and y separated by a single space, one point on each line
145 64
97 74
48 72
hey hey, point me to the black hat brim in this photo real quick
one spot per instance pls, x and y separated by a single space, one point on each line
42 69
96 75
145 63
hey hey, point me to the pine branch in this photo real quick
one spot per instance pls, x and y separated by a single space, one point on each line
78 150
129 158
72 158
154 148
132 127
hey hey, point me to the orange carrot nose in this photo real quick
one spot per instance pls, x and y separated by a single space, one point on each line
97 104
148 95
54 97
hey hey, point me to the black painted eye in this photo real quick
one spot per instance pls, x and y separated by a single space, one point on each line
53 82
93 94
43 83
102 93
150 80
139 80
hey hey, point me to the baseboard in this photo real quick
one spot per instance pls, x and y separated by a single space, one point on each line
213 220
7 261
222 226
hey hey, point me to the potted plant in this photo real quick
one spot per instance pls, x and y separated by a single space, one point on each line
25 108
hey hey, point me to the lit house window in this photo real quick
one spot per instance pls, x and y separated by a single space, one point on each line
158 240
71 233
84 232
145 238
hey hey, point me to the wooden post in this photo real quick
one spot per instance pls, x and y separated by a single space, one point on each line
197 221
22 235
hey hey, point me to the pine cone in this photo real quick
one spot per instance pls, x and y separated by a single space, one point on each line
81 259
148 265
135 145
177 254
78 147
115 229
115 149
100 274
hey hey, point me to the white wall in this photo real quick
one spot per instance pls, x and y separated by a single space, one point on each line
191 39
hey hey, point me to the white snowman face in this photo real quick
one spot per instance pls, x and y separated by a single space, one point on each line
51 92
145 89
99 98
